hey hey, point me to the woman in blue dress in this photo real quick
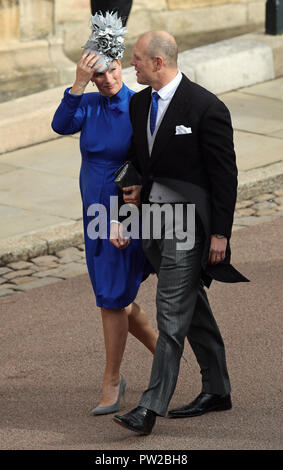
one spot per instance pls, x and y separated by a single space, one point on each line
104 123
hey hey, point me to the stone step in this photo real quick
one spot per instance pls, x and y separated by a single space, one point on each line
220 67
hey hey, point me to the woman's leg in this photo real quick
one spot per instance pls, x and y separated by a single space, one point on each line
140 327
115 328
116 324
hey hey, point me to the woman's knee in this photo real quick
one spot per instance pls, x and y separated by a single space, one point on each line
130 309
111 311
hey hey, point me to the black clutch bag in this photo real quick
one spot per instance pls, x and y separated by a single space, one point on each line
127 175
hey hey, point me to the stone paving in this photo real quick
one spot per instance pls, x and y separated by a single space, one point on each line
21 276
259 208
39 271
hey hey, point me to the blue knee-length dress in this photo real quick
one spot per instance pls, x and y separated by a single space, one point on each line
104 142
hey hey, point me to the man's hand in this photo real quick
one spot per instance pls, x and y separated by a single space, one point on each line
217 250
132 195
116 236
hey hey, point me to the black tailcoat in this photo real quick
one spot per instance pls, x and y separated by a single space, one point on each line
201 165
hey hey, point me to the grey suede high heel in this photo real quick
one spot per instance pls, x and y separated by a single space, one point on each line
104 410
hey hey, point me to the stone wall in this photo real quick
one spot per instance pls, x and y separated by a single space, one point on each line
39 37
9 20
72 24
193 22
181 17
25 20
31 57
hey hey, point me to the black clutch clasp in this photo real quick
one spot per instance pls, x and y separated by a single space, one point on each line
127 175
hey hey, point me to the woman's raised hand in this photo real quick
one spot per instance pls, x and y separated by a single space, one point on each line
86 66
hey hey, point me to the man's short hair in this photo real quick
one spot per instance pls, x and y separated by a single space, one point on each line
166 47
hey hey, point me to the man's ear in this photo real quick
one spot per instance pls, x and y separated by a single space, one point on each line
158 63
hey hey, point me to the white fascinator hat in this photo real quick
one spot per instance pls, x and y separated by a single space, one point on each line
106 39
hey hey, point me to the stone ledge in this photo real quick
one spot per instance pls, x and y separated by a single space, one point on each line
264 179
32 66
275 43
229 64
18 119
220 67
39 243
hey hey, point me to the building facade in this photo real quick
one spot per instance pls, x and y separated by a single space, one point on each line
40 40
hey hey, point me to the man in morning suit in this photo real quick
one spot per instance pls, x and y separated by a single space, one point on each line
182 146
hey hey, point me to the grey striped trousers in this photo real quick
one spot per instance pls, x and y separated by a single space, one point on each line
183 310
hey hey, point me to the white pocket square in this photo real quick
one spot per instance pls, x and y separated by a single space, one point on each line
183 130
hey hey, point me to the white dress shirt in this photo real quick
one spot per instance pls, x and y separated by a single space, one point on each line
166 94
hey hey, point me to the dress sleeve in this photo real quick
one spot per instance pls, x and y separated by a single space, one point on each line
70 114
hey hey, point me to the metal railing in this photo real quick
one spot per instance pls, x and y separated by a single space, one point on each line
274 17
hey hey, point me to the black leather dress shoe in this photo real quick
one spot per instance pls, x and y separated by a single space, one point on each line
140 420
204 403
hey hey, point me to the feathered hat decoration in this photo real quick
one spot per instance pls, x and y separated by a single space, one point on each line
107 38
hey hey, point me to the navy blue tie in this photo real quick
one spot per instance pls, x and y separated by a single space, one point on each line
153 111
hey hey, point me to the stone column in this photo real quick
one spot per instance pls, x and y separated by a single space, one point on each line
36 19
31 57
9 20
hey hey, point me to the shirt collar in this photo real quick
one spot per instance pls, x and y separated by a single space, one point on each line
169 89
